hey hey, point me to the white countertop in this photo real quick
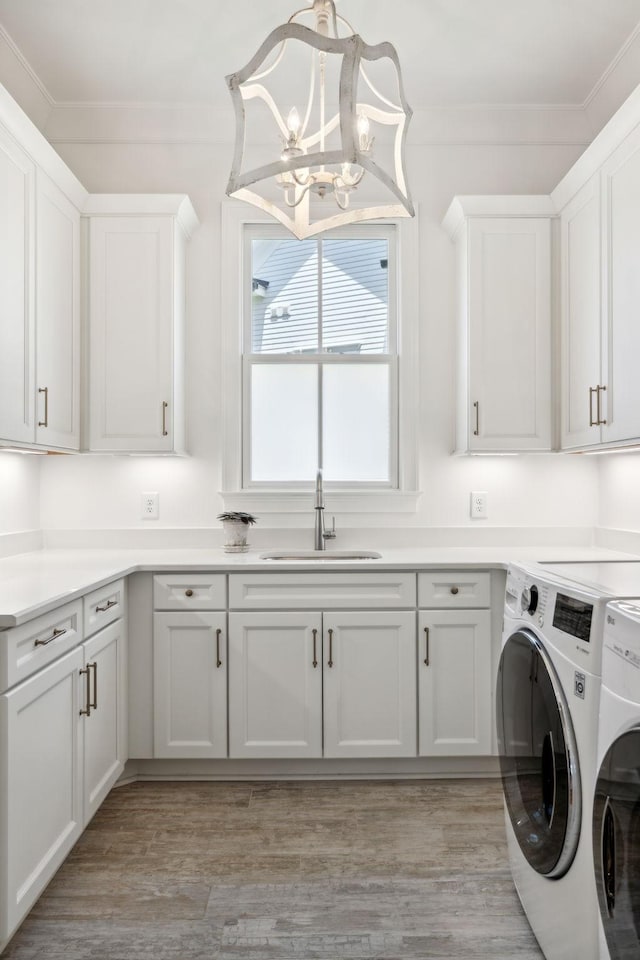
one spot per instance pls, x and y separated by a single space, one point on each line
33 583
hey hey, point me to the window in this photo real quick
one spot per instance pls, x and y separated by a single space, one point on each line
319 365
320 358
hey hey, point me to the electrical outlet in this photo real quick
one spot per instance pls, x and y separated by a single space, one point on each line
479 505
150 509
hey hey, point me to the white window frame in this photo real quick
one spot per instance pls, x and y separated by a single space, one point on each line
235 310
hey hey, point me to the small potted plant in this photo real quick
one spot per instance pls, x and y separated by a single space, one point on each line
236 527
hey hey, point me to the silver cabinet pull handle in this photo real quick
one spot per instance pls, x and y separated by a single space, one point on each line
86 712
476 404
598 422
330 660
45 422
165 432
218 660
314 634
94 667
592 422
599 406
54 636
426 646
107 606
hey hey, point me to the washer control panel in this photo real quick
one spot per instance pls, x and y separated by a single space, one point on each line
570 615
525 597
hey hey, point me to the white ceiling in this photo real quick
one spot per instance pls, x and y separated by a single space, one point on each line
452 52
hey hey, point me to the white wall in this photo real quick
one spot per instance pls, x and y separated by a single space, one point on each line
619 491
19 492
93 492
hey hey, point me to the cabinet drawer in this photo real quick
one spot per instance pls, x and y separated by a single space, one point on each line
103 606
184 591
296 591
33 645
455 589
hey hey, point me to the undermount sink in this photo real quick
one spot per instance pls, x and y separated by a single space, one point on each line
321 555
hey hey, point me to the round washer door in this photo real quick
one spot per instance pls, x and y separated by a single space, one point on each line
616 845
538 756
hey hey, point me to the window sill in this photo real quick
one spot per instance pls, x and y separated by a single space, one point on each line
338 501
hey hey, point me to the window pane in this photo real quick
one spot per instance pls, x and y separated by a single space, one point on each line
356 422
284 421
355 296
284 302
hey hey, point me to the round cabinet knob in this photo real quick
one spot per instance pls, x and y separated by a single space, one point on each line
188 593
454 590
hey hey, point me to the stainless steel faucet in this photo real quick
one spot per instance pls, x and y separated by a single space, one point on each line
320 533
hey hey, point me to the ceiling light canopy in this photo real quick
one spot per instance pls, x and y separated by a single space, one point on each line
320 117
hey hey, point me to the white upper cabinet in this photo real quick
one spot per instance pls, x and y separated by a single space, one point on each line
136 303
17 175
599 200
40 203
504 323
57 317
581 347
621 291
136 322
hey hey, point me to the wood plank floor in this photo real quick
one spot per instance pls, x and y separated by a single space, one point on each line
399 870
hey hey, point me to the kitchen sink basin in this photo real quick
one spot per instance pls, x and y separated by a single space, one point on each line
321 555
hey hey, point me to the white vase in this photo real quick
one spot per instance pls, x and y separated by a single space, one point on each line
235 532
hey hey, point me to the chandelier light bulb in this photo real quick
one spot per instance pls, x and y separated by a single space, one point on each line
363 131
293 123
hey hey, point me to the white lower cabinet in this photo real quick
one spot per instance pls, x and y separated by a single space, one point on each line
41 783
104 730
370 684
189 684
311 684
63 730
275 684
455 683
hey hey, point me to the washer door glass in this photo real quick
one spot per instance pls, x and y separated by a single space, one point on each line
616 845
538 756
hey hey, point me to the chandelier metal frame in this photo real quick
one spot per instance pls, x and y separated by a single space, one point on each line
307 170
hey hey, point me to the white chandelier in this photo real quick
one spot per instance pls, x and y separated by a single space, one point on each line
301 154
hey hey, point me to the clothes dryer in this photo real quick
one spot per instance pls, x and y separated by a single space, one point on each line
616 813
547 700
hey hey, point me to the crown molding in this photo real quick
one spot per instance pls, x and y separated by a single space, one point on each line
473 124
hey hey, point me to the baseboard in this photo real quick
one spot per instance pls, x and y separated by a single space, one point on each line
411 768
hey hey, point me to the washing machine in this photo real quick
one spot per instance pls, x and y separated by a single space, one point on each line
547 699
616 811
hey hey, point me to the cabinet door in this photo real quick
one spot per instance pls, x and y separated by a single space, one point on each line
509 315
370 684
621 288
455 683
16 293
581 317
104 723
57 317
189 685
41 803
275 684
131 333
